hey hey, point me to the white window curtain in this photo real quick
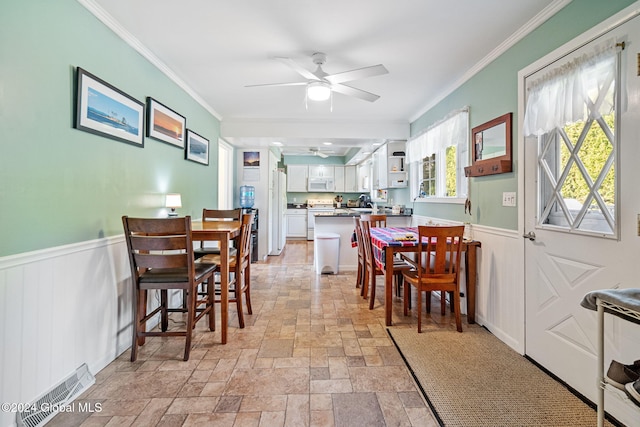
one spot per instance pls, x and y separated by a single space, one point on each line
568 93
453 130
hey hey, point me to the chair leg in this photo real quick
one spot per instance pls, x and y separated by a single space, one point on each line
239 284
428 301
137 296
407 292
164 314
211 301
191 307
372 299
456 309
365 284
419 308
443 302
247 292
359 275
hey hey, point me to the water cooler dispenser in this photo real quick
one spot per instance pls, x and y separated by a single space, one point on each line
247 199
247 196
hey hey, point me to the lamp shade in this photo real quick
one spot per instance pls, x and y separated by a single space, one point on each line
173 200
318 91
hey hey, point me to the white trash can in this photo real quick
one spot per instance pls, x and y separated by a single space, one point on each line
326 251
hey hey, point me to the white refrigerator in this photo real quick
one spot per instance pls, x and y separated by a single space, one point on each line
278 211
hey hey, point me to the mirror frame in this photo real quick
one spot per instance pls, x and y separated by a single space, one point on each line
495 165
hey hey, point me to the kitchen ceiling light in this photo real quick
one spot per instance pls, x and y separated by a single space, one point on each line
318 91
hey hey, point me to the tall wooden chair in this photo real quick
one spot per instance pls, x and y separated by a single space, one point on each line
438 267
217 215
161 258
375 220
240 267
362 268
372 269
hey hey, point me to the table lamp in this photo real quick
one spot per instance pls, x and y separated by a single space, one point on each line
173 201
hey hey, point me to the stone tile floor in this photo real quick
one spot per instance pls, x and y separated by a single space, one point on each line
312 354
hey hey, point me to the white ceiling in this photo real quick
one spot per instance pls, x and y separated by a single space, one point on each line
214 48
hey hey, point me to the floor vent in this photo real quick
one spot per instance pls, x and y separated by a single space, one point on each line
49 404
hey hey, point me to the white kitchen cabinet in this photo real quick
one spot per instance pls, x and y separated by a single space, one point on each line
350 179
396 167
339 179
364 177
321 171
297 178
297 223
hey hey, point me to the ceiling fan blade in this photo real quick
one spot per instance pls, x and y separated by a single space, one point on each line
279 84
360 73
357 93
321 155
299 69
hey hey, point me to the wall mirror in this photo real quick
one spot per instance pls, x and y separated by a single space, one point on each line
491 147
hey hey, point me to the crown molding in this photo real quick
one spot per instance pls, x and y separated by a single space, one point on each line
522 32
132 41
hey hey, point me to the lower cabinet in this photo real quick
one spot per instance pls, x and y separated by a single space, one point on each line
297 223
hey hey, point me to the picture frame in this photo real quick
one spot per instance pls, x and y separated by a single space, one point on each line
197 148
165 124
105 110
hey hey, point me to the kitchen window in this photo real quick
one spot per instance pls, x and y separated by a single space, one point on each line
437 158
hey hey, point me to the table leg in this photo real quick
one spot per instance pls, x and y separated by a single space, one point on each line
388 285
471 277
224 289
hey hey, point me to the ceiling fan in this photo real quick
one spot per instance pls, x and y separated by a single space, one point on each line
320 85
317 152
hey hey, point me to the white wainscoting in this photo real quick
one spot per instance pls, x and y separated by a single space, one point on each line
500 284
60 308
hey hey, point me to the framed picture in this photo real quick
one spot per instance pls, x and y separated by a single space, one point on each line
197 148
164 124
251 159
104 110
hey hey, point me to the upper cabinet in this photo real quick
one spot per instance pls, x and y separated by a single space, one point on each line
321 171
396 166
297 178
491 147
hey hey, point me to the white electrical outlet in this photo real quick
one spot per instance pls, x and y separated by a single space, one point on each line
509 198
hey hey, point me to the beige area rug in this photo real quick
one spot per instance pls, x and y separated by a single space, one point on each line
474 379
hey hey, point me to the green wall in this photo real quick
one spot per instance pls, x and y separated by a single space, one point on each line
493 92
59 185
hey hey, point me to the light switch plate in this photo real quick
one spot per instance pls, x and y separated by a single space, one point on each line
509 198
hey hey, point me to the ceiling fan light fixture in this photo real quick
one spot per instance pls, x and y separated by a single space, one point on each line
318 91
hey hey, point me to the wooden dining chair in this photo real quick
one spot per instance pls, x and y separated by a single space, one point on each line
380 220
161 258
217 215
362 268
239 268
375 220
372 270
438 268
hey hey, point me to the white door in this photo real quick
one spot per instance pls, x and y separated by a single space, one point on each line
578 250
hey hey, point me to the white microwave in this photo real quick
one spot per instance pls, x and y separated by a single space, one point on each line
320 184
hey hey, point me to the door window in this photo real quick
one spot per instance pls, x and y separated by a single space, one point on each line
572 111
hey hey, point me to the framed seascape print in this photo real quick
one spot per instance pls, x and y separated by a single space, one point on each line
105 110
197 148
164 124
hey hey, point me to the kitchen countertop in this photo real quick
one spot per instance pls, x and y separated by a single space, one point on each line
349 212
296 206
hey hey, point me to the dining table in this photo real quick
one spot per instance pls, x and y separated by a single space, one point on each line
222 232
388 241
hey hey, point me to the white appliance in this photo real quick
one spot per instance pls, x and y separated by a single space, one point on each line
316 206
320 184
278 211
